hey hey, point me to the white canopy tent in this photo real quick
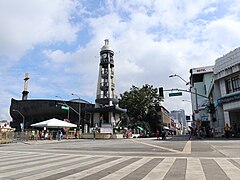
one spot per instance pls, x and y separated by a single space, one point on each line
54 123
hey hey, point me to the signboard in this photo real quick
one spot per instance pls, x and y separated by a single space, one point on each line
205 118
175 94
106 128
65 108
202 70
198 122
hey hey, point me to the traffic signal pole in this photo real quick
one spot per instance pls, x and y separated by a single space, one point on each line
196 94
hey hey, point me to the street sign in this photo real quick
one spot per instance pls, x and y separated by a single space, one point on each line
65 108
175 94
198 122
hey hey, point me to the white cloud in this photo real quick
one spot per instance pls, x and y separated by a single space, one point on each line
151 40
27 23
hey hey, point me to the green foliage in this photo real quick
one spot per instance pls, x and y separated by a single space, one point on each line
142 105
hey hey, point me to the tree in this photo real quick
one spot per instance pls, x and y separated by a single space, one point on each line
142 105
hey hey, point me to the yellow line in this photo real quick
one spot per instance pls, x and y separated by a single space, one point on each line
188 148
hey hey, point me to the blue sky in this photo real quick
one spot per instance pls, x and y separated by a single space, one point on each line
58 42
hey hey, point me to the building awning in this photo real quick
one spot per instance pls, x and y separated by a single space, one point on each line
229 98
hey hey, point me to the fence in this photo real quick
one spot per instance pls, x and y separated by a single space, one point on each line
6 137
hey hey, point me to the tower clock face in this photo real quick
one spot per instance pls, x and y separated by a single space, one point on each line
104 55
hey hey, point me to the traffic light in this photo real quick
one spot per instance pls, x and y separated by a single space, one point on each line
161 92
211 109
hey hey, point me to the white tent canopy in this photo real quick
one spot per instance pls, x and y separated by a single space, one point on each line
54 123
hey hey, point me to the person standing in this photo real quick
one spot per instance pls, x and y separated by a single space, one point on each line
191 132
94 133
227 131
157 134
59 135
164 134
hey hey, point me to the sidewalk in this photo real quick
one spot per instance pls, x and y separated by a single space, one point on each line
45 141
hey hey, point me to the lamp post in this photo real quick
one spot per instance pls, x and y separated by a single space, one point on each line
196 94
79 109
175 75
188 83
14 110
64 103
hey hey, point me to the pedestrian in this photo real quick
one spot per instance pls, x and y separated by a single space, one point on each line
59 135
33 135
163 134
76 133
191 133
157 134
40 135
94 133
227 131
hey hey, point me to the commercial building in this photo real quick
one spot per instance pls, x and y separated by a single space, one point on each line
225 92
179 118
179 115
200 82
27 112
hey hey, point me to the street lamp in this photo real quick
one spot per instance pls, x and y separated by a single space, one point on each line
64 103
14 110
196 99
175 75
188 83
79 109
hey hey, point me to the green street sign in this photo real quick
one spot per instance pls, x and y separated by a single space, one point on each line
65 108
175 94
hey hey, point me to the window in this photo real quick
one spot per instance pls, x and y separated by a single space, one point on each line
228 86
235 83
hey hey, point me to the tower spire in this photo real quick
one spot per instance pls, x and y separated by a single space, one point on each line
25 91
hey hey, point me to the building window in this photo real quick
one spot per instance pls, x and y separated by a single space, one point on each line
235 83
228 86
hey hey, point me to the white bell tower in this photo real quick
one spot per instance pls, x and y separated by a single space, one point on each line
106 91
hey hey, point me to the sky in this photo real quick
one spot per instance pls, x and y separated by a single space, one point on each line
58 43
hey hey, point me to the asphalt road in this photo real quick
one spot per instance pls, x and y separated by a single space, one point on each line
175 158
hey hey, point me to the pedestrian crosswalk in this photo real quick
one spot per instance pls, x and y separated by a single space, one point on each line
24 165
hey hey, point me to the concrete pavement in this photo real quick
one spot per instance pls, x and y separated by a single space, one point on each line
121 159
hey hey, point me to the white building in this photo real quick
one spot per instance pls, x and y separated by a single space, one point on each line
225 91
200 82
180 119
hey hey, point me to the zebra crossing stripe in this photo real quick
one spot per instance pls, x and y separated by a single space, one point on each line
27 161
55 170
160 170
92 170
22 171
194 169
232 171
127 170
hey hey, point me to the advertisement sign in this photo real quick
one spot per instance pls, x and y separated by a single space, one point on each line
202 70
